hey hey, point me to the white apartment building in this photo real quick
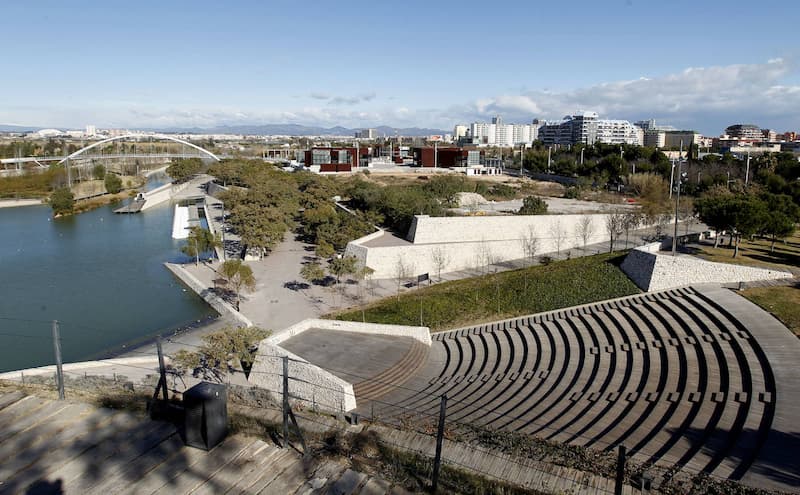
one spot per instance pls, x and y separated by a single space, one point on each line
499 134
460 131
588 128
618 132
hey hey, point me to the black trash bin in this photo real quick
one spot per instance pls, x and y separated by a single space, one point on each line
206 420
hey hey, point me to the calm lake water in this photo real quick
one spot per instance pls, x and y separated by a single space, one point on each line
100 274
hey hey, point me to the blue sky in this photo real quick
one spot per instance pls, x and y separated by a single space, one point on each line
692 64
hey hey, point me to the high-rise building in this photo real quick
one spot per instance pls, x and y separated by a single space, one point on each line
588 128
673 139
91 130
500 134
746 132
460 131
365 134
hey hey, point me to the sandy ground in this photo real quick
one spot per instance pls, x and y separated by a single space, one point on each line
554 205
12 203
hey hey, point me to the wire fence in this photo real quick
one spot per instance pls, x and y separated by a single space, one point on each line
406 428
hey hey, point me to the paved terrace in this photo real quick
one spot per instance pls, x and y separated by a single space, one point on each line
49 446
369 362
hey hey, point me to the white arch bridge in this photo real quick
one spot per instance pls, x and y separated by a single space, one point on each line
90 152
138 136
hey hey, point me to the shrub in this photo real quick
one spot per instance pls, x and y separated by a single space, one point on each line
502 191
62 201
533 205
572 192
113 183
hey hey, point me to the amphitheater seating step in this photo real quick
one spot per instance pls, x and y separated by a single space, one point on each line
674 376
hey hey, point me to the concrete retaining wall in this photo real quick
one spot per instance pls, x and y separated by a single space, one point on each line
162 194
214 188
144 362
308 383
421 334
157 196
213 300
470 242
654 271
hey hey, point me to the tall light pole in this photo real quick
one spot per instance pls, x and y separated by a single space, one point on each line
224 255
677 203
747 169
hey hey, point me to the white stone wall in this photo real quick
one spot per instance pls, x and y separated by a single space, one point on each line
470 242
654 271
421 334
309 384
213 300
157 196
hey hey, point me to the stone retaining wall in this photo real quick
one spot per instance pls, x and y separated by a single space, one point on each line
309 384
471 242
421 334
652 270
213 300
85 365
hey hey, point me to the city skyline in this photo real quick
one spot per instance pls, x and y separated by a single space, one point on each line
203 65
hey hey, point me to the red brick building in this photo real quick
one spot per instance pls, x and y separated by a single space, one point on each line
335 159
450 156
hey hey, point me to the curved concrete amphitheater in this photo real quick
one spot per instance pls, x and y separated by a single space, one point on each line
699 378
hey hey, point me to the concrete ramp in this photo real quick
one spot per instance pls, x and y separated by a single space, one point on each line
180 222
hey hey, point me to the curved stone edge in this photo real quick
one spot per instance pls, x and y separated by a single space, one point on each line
82 366
781 349
308 383
653 271
422 334
213 300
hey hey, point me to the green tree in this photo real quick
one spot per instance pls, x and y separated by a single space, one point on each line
113 183
221 353
182 169
782 218
62 201
715 210
238 276
340 266
748 215
200 241
313 272
533 205
99 172
324 250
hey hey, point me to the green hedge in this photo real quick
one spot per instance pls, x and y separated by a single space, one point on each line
504 295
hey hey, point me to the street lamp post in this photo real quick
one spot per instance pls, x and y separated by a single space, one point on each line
224 255
677 203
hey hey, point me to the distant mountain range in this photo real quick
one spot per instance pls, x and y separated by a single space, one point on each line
303 130
18 128
269 130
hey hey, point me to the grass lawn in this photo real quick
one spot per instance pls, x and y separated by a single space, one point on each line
757 253
782 301
503 295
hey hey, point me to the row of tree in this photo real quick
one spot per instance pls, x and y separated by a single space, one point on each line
746 214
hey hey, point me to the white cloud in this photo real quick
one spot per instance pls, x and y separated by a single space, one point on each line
746 92
705 98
